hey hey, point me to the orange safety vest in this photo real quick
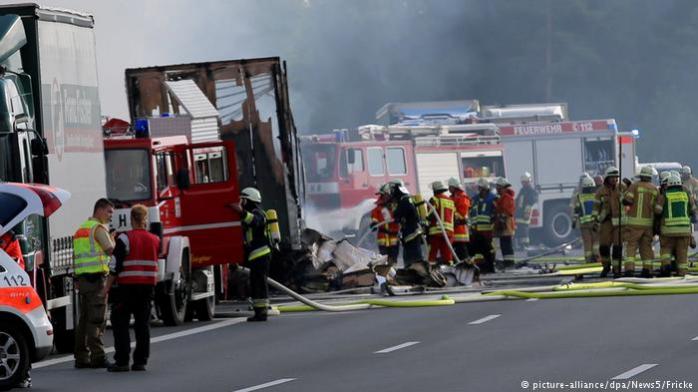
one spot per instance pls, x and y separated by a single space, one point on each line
141 262
460 225
387 235
446 209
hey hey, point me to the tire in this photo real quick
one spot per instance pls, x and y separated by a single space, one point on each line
172 303
205 308
557 224
14 356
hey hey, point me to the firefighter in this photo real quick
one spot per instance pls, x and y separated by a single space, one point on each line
443 206
640 198
505 224
482 228
257 249
577 190
407 217
584 216
92 248
608 211
383 222
677 211
134 270
525 200
690 182
462 202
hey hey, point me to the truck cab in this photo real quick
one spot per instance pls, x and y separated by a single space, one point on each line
187 188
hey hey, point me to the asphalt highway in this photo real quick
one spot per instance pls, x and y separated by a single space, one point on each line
494 346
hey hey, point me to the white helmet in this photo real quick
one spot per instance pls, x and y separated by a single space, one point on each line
526 177
686 170
612 171
588 182
437 186
455 183
483 183
646 172
674 181
502 182
251 194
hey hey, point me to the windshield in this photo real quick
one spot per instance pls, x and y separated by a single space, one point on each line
128 175
599 155
319 161
476 167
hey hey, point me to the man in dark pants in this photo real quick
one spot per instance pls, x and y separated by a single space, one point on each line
257 250
134 269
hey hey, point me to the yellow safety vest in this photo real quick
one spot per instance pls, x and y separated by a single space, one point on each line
88 255
676 217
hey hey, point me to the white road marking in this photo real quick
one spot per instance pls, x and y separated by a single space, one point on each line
484 319
157 339
532 299
265 385
634 371
394 348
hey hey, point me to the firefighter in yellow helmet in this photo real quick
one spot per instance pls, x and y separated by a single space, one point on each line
257 249
640 199
609 211
677 211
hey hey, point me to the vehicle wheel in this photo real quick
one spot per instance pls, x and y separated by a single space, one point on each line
14 356
557 225
205 308
172 302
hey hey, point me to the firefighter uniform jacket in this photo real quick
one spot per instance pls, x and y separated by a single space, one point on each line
505 209
584 202
676 208
444 206
136 256
525 200
254 227
641 196
407 217
482 213
10 244
460 224
607 205
387 234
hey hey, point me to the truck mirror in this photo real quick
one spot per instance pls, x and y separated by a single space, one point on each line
183 179
351 158
39 147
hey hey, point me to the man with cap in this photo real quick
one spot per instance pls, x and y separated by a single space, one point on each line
609 211
677 211
462 202
482 226
505 225
640 199
440 220
257 249
525 200
383 223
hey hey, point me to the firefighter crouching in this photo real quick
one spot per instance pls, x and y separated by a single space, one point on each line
505 225
677 211
440 224
134 270
525 200
608 211
641 198
387 230
92 249
461 235
257 249
585 217
482 226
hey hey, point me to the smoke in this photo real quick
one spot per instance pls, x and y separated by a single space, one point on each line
630 60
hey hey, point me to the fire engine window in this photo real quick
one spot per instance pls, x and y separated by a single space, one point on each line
357 167
396 161
128 174
475 167
319 161
375 161
12 205
210 165
598 155
165 173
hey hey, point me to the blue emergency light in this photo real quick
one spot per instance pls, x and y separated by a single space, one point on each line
141 128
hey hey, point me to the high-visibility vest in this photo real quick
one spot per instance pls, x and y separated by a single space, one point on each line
88 255
676 215
256 240
482 212
643 199
586 204
460 226
141 263
444 206
387 234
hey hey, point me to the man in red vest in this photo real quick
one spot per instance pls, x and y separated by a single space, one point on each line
133 275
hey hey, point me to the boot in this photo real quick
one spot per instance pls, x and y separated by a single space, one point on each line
645 273
628 273
606 269
260 314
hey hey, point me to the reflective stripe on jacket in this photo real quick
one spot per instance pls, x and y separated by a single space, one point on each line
88 255
141 263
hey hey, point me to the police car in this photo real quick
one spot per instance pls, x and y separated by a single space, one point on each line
26 334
